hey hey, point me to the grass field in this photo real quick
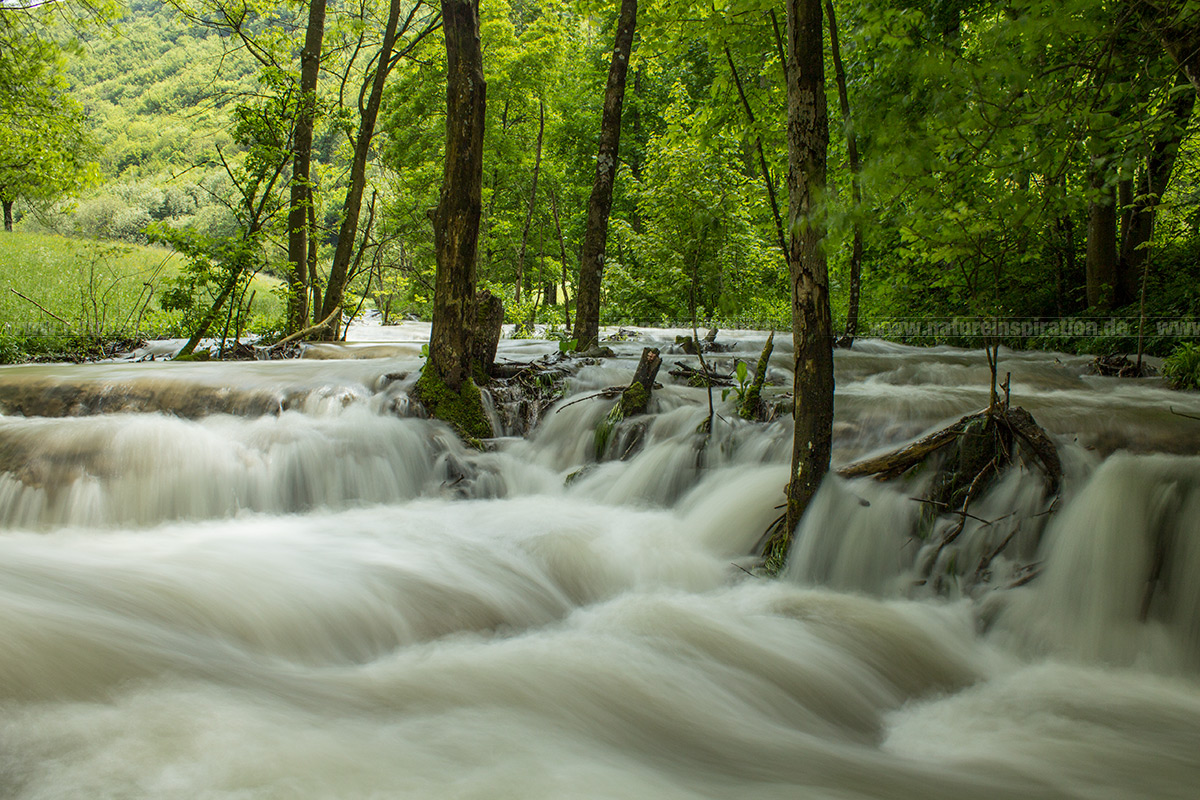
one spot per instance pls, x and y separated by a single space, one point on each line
75 287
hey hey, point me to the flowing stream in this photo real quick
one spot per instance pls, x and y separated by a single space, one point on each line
276 580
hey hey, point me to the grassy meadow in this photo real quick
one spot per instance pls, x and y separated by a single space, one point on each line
56 292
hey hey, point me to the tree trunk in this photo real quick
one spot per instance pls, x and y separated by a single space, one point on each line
1101 263
537 165
562 250
8 220
591 262
301 192
335 288
446 387
808 141
762 158
1150 188
856 247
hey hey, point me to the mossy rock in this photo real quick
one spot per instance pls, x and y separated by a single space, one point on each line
462 410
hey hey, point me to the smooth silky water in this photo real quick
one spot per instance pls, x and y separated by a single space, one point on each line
275 580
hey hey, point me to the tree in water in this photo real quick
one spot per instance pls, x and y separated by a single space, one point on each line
447 387
301 190
812 326
591 261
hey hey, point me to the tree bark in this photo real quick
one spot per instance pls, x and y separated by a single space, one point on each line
446 387
8 215
856 246
591 262
1155 178
808 141
335 287
301 190
1101 263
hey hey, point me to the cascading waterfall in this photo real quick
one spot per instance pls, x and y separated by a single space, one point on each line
278 580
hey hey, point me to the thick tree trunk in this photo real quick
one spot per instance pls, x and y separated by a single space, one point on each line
537 166
1101 263
856 246
335 288
591 262
1150 188
8 219
808 141
446 387
301 192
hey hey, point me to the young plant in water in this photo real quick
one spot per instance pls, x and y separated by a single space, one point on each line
742 373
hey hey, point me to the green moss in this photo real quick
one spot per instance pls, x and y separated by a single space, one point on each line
633 400
462 410
605 428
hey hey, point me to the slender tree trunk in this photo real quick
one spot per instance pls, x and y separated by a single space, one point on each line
768 181
537 165
562 250
8 219
856 246
1150 188
446 387
335 288
591 262
301 191
812 326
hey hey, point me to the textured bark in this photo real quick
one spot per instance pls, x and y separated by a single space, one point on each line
591 262
8 217
335 288
856 245
301 190
489 322
1101 263
808 141
456 220
1152 184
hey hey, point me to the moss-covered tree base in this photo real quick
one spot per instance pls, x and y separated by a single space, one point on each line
462 410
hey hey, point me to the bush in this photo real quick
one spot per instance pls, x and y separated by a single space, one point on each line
1182 367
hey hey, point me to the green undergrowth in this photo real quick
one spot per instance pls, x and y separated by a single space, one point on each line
69 299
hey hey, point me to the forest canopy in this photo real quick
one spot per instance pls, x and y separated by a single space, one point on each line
1019 159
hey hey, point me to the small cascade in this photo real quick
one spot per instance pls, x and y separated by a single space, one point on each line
1121 576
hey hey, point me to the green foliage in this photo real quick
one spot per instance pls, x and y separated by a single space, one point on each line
1182 367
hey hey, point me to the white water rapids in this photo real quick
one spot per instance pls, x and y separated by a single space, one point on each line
272 580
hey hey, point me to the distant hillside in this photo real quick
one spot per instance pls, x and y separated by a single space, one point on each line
157 88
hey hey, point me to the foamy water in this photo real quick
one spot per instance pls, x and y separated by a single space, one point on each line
337 599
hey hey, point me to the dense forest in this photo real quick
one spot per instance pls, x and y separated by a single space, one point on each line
1017 159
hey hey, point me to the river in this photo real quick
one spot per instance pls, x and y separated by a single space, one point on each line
275 580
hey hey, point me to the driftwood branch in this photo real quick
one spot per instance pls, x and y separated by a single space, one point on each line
311 329
897 462
40 307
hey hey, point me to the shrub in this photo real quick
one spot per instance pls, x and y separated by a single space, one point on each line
1182 367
